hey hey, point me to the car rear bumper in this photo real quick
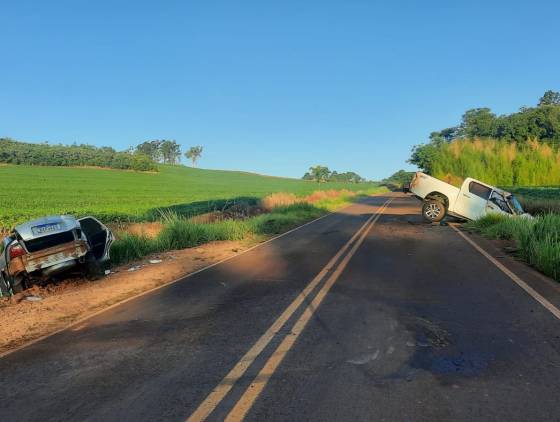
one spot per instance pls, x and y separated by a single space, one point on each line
50 257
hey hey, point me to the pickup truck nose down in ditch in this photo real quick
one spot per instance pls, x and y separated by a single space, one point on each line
472 200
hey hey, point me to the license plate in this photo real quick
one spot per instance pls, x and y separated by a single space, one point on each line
45 228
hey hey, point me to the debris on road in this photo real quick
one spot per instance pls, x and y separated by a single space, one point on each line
155 261
33 298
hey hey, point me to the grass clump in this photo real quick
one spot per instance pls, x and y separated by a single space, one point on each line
537 239
180 233
129 247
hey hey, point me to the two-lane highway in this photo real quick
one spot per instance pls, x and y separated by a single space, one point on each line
366 314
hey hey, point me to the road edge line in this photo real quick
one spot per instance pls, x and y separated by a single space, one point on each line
181 278
514 277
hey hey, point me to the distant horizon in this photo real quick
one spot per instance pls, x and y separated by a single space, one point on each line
270 88
183 163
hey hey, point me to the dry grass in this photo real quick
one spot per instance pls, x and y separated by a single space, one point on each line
328 194
280 199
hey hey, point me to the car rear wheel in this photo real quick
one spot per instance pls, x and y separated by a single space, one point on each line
433 211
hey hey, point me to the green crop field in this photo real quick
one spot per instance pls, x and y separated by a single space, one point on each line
113 195
538 200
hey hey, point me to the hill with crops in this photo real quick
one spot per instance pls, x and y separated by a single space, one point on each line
115 195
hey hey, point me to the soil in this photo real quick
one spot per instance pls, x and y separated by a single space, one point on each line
39 311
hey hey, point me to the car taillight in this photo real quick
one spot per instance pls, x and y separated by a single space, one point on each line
16 250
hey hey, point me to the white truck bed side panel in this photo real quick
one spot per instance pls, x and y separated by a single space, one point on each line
423 184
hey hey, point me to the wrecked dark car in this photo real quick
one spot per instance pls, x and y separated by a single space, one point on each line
40 249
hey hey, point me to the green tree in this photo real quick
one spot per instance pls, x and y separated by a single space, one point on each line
319 173
170 151
550 98
424 156
194 153
399 177
151 148
478 122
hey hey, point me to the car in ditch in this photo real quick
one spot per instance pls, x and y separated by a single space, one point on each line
471 201
40 249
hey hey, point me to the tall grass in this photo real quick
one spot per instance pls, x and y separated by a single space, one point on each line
179 232
498 162
537 240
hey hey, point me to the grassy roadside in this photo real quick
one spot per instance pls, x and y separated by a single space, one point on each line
179 232
537 240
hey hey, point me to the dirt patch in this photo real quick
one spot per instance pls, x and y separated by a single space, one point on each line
42 310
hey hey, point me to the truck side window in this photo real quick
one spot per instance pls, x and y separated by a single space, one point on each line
480 190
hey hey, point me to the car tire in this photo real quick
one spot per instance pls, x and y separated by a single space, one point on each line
18 285
433 210
4 286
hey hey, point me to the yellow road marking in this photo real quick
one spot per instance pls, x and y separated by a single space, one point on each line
260 381
537 296
218 394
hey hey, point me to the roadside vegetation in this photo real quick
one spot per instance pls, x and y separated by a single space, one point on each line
518 149
123 196
537 240
398 179
499 163
277 213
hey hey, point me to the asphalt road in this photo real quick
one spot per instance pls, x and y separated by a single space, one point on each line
407 322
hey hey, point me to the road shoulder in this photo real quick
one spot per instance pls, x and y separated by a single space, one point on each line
543 285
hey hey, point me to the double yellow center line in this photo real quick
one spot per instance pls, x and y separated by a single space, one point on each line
244 404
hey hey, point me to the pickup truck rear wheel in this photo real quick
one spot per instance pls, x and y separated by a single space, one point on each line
433 210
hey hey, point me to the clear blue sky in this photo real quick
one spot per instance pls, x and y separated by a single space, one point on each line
270 87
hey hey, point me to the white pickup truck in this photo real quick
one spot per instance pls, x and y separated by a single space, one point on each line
473 200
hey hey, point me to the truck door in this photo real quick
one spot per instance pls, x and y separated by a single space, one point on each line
472 200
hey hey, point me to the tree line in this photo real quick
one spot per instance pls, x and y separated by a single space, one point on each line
515 149
45 154
168 151
397 179
541 122
323 174
144 157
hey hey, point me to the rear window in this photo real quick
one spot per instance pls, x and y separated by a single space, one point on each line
480 190
45 242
